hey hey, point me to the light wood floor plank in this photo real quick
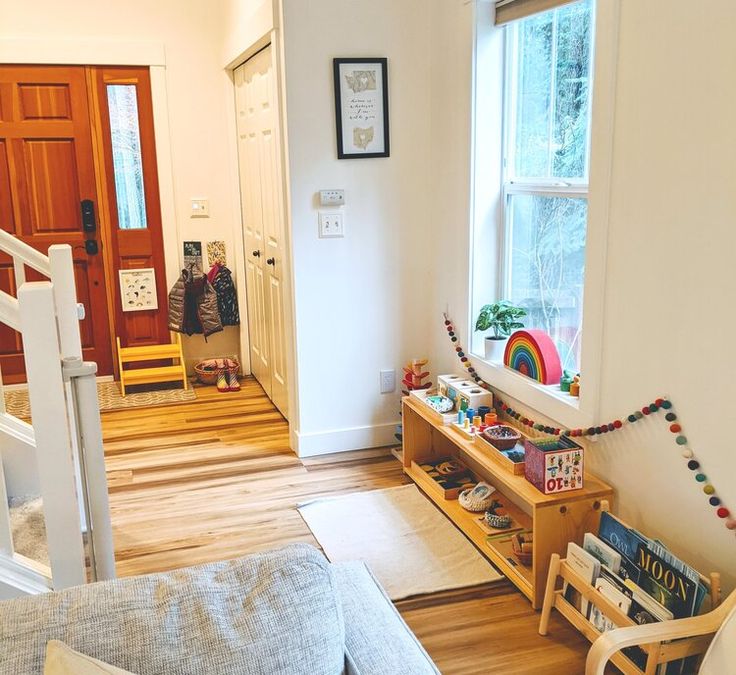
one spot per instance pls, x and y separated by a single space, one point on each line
215 479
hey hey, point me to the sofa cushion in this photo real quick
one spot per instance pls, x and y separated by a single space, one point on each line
274 612
61 660
377 641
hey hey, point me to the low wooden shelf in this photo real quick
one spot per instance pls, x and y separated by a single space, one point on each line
555 519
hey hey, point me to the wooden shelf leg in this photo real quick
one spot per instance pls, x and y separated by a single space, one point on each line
549 593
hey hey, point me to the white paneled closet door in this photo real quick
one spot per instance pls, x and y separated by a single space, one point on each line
261 194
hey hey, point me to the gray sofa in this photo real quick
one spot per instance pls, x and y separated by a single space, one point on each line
287 611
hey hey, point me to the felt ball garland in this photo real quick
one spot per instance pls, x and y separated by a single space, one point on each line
660 404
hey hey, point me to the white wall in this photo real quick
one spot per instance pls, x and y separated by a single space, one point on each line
669 279
198 92
361 301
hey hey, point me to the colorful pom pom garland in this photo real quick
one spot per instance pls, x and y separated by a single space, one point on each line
660 404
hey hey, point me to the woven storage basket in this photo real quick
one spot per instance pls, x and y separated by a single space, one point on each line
471 501
207 370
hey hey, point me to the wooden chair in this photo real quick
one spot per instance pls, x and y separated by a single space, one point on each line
695 635
175 373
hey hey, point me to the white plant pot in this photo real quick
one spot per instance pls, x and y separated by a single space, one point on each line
495 349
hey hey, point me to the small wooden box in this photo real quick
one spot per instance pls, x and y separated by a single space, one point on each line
554 465
501 457
447 385
475 395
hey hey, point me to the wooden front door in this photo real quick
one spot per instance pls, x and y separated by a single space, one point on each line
46 170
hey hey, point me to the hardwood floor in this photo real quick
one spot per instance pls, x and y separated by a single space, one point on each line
215 479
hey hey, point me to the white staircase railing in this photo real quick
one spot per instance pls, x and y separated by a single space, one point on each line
64 439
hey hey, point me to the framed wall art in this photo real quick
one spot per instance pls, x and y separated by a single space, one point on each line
138 289
361 107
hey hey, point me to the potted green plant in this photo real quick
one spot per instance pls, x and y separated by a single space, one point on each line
502 318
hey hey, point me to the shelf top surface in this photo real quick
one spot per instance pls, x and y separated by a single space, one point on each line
593 486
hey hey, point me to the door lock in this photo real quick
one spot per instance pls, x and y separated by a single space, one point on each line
89 224
271 261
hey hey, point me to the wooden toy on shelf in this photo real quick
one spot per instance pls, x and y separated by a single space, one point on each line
533 353
174 373
413 376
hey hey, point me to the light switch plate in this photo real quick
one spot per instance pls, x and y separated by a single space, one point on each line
331 224
200 208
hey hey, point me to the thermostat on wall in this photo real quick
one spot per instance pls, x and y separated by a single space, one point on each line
332 197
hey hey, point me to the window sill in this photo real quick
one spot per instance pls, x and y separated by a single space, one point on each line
567 411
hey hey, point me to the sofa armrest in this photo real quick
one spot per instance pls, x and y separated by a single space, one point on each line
377 640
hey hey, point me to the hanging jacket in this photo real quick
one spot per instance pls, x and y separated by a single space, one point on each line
221 279
193 304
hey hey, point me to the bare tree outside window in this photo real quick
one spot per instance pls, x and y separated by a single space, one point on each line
546 170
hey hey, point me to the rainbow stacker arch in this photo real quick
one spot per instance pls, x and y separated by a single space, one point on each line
533 353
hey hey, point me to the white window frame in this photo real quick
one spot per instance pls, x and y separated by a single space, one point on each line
488 215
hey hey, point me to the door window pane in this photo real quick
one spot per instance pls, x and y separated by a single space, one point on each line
547 267
126 156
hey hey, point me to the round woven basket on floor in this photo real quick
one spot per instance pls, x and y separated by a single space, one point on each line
207 370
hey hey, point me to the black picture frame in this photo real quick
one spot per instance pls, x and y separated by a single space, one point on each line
364 101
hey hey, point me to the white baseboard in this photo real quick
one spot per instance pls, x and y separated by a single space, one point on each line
342 440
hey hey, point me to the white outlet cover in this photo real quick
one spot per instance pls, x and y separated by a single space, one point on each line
388 381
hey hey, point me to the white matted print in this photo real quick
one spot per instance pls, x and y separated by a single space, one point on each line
361 107
138 289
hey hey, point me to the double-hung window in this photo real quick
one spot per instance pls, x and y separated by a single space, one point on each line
547 94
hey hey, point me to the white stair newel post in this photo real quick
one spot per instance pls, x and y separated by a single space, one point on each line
65 300
51 426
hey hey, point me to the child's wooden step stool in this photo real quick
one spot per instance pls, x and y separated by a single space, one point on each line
176 373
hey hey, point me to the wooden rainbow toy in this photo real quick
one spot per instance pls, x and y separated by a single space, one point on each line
533 353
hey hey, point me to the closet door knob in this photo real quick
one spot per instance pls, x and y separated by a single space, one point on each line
271 261
256 254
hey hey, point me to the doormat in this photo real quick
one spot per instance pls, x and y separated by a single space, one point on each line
410 546
108 394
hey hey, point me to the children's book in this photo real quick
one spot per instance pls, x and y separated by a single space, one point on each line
667 585
588 567
623 539
616 596
598 548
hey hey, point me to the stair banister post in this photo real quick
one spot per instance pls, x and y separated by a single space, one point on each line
56 471
65 300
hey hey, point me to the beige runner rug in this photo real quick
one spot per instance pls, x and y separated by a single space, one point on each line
410 546
108 393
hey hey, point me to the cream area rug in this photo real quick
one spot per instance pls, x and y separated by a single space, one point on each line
410 546
108 393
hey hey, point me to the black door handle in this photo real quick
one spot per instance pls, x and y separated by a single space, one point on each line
91 247
256 254
271 261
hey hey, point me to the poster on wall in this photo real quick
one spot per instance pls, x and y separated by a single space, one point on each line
361 107
193 253
216 253
138 289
